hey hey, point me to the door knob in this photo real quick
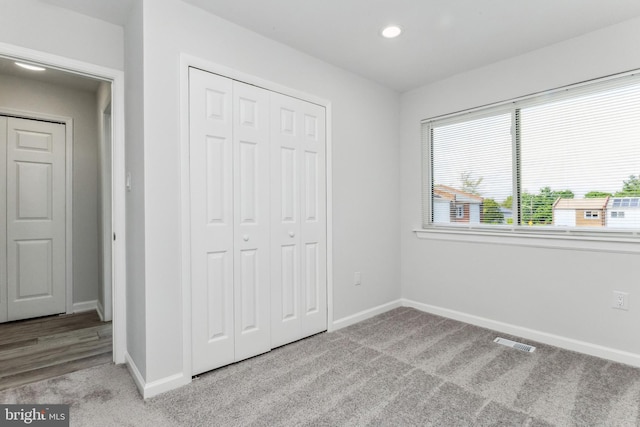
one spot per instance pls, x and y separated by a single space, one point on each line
245 237
291 234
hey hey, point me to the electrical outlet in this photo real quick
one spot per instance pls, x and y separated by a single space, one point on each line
620 300
357 278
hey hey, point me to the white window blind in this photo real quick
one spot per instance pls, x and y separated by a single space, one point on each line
472 170
568 159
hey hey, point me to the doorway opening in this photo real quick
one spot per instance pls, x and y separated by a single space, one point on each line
83 325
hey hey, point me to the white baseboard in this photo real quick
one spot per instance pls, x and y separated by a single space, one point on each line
100 310
531 334
80 307
363 315
154 388
135 373
163 385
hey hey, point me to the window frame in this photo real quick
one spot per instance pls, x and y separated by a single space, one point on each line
429 229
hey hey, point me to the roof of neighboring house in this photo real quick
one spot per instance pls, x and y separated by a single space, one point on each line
595 203
624 202
455 195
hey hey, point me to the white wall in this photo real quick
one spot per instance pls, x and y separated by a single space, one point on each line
564 218
561 292
37 97
365 158
135 215
631 217
50 29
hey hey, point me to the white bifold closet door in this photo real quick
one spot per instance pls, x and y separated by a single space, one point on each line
229 168
298 218
258 220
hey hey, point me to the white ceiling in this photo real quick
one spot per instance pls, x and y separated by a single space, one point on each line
51 75
114 11
441 38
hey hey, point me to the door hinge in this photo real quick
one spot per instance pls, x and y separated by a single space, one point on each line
114 237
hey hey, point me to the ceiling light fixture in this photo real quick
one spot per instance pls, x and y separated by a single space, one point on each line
391 31
30 67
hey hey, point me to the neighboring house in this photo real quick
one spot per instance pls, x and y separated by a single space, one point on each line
623 212
451 205
580 212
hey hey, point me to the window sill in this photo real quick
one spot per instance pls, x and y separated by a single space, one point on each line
576 239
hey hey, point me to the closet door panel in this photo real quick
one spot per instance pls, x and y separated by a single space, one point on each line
247 292
313 224
218 172
311 279
251 213
285 224
299 298
289 283
288 188
212 221
219 290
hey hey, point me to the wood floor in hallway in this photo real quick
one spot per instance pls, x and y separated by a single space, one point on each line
36 349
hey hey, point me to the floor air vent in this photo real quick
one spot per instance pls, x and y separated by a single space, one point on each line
516 345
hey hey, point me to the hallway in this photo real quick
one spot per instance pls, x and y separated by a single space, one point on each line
36 349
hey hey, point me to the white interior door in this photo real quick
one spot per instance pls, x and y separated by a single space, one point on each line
35 206
298 217
251 213
212 220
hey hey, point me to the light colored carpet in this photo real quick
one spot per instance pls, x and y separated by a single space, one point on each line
403 367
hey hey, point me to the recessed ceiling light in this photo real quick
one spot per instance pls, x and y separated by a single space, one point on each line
30 67
391 31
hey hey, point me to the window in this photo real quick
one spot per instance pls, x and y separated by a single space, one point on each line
591 214
537 162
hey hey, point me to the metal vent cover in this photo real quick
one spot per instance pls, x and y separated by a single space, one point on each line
517 345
